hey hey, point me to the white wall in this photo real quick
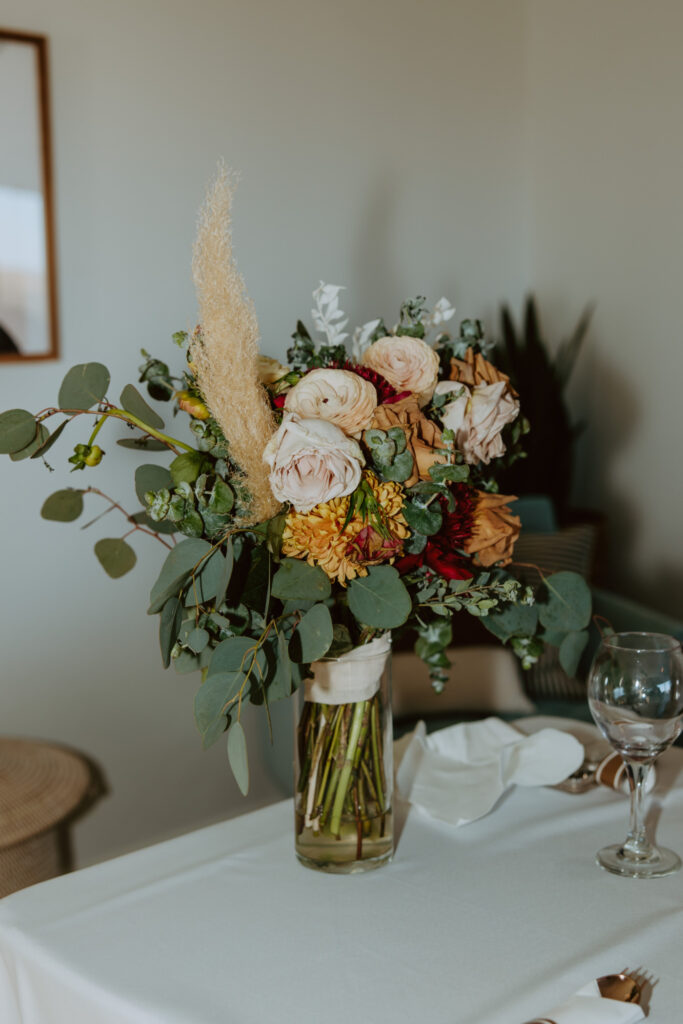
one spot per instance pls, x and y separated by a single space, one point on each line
381 146
605 81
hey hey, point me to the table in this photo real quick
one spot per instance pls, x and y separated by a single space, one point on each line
487 924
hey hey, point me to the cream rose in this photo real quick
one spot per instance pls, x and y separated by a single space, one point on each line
409 364
338 396
269 370
312 461
477 416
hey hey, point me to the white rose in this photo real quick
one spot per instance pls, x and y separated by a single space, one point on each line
409 364
477 416
312 461
338 396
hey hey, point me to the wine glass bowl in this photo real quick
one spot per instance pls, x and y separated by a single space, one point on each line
635 695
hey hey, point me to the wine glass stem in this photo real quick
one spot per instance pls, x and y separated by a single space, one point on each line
637 843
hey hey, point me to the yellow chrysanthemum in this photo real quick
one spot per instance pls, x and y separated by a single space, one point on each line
343 553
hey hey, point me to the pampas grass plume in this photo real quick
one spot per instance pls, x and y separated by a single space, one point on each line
226 353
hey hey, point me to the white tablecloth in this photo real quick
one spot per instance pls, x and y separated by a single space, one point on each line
492 923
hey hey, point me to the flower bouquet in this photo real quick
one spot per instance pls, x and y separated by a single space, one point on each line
312 509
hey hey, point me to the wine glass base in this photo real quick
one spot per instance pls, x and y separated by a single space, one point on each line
619 862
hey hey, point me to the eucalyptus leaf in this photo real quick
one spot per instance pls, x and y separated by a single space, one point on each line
169 624
84 386
568 606
426 521
211 702
179 563
54 436
313 635
17 430
514 620
379 599
185 663
280 686
133 402
63 506
145 444
228 564
186 468
238 654
237 756
29 451
115 556
197 640
296 579
207 580
150 524
571 649
149 477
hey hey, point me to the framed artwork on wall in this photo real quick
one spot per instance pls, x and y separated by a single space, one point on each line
28 278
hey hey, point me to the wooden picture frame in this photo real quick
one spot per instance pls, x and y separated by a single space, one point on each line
28 275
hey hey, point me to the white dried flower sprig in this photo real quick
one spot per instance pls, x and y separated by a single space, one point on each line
442 312
361 338
328 318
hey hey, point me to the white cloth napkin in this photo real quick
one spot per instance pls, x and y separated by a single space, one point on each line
457 774
588 1007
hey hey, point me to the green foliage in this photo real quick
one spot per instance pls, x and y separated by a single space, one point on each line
571 648
144 444
54 436
379 599
169 624
237 756
17 430
36 444
180 564
410 320
296 580
63 506
157 376
422 519
133 402
85 385
186 468
207 580
389 454
115 556
150 477
568 603
312 636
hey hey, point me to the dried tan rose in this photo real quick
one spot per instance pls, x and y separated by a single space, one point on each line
409 364
312 461
474 370
338 396
270 370
495 530
423 437
477 416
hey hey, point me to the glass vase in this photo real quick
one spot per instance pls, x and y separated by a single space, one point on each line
343 762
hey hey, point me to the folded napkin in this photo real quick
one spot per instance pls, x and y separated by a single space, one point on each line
457 774
587 1006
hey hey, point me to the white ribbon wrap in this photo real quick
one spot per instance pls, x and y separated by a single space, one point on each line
353 677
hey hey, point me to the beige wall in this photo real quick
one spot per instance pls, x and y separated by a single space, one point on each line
605 82
380 146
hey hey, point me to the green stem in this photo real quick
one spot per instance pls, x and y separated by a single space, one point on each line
129 417
347 769
98 427
377 763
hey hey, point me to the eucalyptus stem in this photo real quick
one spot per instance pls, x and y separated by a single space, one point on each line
121 414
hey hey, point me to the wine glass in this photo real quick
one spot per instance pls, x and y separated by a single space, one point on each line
635 694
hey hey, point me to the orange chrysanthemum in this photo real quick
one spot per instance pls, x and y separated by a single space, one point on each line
343 552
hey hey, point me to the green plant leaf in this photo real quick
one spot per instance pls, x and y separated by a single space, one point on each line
133 402
236 654
210 703
571 649
380 598
84 386
313 635
145 444
296 579
170 621
237 756
426 521
207 580
186 662
63 506
149 477
514 620
568 607
186 468
29 451
115 556
150 524
280 686
197 640
228 565
17 430
174 572
39 452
